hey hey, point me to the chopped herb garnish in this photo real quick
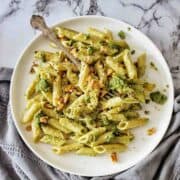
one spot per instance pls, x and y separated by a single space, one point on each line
116 132
114 46
37 117
113 127
87 36
146 112
87 99
43 58
43 85
129 28
91 50
116 52
102 42
167 86
153 66
136 107
158 97
122 34
70 42
147 101
105 120
133 52
109 137
40 55
117 82
40 114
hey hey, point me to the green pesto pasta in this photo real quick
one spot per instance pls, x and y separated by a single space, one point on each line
48 130
67 148
104 148
92 135
55 141
86 151
72 125
89 110
29 113
36 129
55 123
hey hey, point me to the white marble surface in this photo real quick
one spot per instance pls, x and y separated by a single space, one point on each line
158 19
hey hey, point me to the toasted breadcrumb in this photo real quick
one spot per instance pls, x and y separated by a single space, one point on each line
44 119
28 128
48 106
151 131
114 157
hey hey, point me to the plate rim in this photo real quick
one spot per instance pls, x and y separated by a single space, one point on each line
12 85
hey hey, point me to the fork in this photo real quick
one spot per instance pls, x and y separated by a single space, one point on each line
38 22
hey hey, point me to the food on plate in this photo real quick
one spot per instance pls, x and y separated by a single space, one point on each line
93 110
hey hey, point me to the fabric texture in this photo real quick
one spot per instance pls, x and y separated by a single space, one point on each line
18 162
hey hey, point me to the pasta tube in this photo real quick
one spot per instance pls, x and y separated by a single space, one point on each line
57 90
108 148
55 123
131 69
72 125
29 113
124 125
116 66
91 135
48 130
67 148
36 129
52 140
86 151
31 89
141 65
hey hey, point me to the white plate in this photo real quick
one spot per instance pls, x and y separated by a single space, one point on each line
141 146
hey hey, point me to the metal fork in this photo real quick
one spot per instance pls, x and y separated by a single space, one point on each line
38 22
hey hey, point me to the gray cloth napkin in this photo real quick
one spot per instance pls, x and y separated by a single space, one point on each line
18 162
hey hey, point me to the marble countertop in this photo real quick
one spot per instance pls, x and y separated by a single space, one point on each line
158 19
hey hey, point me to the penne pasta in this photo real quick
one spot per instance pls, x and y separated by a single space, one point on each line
131 69
124 125
96 33
91 109
29 113
84 73
108 148
48 130
55 141
67 148
86 151
72 125
106 137
55 123
91 135
118 102
122 140
141 65
36 129
115 66
31 89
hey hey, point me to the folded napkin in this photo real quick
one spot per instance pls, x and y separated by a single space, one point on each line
18 162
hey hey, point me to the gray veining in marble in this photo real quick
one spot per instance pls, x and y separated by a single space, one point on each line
158 19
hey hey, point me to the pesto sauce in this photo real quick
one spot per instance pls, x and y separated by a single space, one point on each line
158 97
153 66
122 34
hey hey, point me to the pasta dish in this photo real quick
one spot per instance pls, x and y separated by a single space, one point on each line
91 109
